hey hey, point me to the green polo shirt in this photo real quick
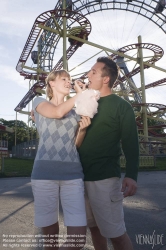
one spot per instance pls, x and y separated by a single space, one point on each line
114 125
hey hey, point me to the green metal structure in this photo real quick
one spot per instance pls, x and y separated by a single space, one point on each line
69 20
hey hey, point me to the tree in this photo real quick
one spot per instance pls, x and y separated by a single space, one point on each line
23 133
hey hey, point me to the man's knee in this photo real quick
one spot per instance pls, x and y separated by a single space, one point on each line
119 238
122 242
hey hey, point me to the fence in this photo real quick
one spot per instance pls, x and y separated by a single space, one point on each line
152 148
1 164
26 149
3 144
4 149
144 161
148 151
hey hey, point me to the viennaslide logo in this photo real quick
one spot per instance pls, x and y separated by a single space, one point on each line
150 239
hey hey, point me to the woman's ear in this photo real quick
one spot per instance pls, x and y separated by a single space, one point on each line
51 83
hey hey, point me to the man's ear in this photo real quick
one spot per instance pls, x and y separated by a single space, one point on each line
106 79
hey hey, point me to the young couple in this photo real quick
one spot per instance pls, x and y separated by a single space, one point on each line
57 169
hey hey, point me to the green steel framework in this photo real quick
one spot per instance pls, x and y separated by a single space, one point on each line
55 24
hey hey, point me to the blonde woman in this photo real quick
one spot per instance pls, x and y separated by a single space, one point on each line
57 171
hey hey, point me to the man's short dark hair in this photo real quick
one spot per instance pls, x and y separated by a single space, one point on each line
110 69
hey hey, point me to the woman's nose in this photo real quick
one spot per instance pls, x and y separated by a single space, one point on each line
69 83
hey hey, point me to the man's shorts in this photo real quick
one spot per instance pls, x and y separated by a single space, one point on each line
46 202
104 206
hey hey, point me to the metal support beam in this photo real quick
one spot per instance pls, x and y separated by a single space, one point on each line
16 130
40 91
36 70
103 48
25 112
85 61
64 37
38 59
57 25
144 109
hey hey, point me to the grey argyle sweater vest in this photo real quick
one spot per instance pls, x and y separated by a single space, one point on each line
57 157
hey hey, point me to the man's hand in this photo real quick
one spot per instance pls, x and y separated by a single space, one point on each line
129 187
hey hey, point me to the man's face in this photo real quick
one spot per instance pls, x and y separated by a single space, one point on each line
95 76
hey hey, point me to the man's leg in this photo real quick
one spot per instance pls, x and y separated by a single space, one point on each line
51 230
99 242
105 198
122 242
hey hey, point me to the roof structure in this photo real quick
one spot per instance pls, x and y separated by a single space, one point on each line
5 129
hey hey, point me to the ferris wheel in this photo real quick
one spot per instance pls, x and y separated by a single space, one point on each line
76 32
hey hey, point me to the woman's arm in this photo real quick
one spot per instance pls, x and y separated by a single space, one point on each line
81 132
49 110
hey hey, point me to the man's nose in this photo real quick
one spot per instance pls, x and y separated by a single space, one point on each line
88 74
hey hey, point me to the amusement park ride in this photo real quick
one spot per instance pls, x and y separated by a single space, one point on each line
69 19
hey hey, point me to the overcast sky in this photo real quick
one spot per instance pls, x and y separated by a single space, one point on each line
113 29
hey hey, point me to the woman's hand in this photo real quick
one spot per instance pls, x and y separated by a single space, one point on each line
84 123
79 86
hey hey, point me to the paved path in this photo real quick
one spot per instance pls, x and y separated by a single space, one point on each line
145 214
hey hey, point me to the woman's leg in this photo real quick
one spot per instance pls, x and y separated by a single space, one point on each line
76 238
52 239
46 204
73 204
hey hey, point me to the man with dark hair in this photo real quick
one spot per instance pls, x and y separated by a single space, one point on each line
112 127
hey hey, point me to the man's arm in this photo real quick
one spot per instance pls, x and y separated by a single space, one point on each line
130 146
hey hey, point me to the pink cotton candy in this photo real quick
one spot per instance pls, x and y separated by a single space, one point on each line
86 103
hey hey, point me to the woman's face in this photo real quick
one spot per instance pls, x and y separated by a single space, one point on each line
62 84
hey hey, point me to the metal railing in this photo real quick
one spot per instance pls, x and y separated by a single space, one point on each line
144 161
3 144
1 164
29 149
26 149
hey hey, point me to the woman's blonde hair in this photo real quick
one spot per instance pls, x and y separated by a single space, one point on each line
51 77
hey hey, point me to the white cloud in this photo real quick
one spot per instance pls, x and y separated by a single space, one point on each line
10 74
112 29
18 17
5 54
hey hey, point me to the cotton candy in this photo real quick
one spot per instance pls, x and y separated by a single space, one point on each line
86 103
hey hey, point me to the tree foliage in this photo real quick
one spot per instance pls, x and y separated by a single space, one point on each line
23 133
